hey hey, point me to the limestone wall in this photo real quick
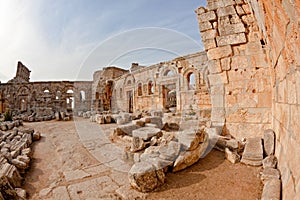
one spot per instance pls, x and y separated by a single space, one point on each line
239 74
280 23
148 88
253 47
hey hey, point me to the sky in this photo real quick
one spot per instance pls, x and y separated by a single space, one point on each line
70 39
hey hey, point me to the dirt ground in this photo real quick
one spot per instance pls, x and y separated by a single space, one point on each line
62 168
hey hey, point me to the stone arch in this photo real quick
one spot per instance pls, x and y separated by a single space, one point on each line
168 71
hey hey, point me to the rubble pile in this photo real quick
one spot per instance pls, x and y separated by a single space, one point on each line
15 156
157 148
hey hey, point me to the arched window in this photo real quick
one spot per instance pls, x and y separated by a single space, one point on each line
46 91
82 96
129 82
191 81
70 91
169 73
150 88
58 95
140 89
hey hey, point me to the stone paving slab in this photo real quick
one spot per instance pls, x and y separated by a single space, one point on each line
98 188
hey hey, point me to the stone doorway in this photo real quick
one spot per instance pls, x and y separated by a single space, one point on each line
169 96
130 101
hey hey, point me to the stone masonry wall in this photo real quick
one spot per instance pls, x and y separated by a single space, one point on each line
280 23
239 74
163 77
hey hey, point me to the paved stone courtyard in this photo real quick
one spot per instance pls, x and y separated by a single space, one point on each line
78 161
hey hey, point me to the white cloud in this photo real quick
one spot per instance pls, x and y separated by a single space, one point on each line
53 38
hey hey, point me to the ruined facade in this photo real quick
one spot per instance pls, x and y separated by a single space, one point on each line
253 52
177 85
43 98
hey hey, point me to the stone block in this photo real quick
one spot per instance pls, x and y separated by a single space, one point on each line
226 11
204 26
188 139
169 151
125 129
253 152
239 38
209 34
240 11
11 173
188 158
272 190
230 29
232 156
200 10
269 162
209 44
208 16
228 2
218 79
219 52
239 62
144 177
214 5
246 8
269 142
226 64
146 133
214 66
269 173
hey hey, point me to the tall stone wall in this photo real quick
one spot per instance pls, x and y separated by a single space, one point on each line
280 23
239 74
254 50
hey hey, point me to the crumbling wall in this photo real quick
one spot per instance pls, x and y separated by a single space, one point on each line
147 88
82 95
280 23
103 81
239 74
22 74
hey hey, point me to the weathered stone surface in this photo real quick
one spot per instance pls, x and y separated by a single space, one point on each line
232 156
239 38
208 16
271 190
204 26
209 34
11 173
146 132
270 161
232 29
225 11
36 136
137 144
219 52
270 173
125 129
127 193
75 175
169 151
22 194
7 191
209 44
144 177
188 158
253 152
269 142
155 120
189 139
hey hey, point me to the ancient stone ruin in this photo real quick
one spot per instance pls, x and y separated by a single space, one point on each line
240 95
